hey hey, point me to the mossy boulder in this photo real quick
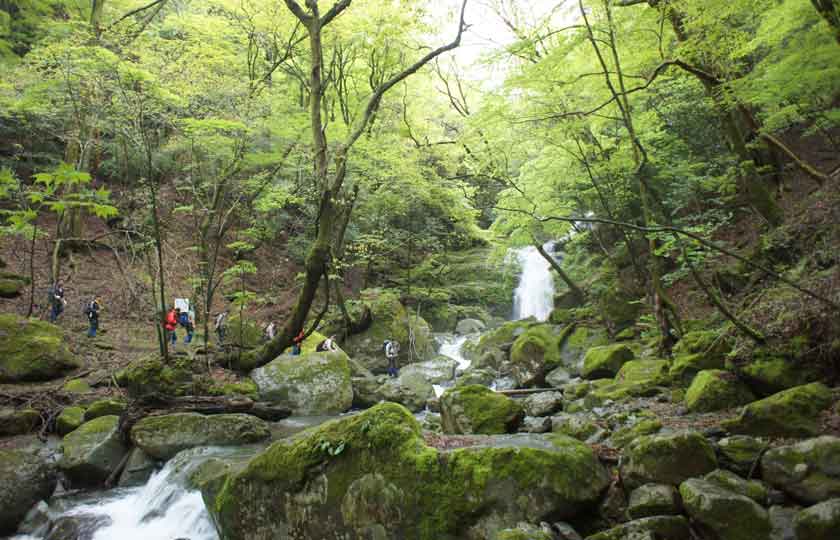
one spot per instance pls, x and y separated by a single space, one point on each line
32 350
410 389
372 476
105 407
716 390
498 341
477 409
161 437
576 426
767 373
92 452
150 375
648 528
438 370
69 419
667 459
791 413
243 333
476 376
706 342
241 387
138 469
819 522
470 326
605 361
543 404
391 321
534 354
635 378
77 386
686 366
627 434
525 531
809 470
577 342
24 481
312 383
728 480
740 453
619 309
653 500
11 288
18 421
722 514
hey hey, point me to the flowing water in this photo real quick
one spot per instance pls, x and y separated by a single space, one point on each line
534 296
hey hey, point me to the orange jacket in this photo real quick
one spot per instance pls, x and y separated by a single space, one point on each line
171 322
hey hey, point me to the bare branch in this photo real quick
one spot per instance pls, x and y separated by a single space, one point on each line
334 11
135 12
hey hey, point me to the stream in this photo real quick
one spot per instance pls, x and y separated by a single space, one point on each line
167 508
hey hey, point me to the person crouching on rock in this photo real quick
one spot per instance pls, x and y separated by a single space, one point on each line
392 350
170 324
328 345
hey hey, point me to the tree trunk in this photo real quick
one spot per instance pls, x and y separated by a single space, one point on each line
578 293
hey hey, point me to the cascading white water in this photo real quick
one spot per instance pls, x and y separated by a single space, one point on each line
451 346
534 296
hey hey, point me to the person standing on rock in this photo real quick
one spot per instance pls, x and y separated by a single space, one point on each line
170 324
392 350
57 301
296 343
269 331
92 313
220 325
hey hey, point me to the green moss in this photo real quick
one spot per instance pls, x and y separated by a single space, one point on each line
477 409
243 333
706 342
628 434
715 390
819 522
667 459
32 350
10 288
728 480
18 421
243 387
792 413
69 419
723 513
687 366
768 373
536 352
76 386
605 361
105 407
151 375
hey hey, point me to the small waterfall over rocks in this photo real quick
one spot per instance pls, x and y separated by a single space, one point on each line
534 296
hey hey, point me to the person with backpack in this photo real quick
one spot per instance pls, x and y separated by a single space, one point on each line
328 345
57 301
392 350
220 325
91 311
187 320
296 343
170 324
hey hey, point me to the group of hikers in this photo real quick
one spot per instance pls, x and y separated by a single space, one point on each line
185 317
57 303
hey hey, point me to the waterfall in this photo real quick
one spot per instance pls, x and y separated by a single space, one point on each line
534 296
451 346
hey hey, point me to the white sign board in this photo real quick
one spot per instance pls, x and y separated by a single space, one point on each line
183 304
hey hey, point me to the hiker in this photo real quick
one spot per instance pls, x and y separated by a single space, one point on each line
170 324
328 345
187 320
296 343
57 301
269 331
392 349
220 325
91 311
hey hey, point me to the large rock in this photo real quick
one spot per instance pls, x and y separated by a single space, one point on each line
435 371
469 326
649 528
138 469
151 375
715 390
32 350
105 407
791 413
819 522
411 389
635 378
543 404
535 353
69 419
601 362
577 342
653 500
768 373
730 481
92 452
18 421
667 459
391 321
808 470
740 453
685 367
706 342
163 436
24 480
312 383
477 409
372 476
722 514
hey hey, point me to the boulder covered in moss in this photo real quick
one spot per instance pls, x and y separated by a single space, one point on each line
151 375
635 378
410 389
391 321
69 419
792 413
627 434
92 452
477 409
311 383
373 476
809 470
667 459
543 403
603 362
526 531
105 407
435 371
723 514
163 436
705 342
768 373
686 366
578 340
740 453
470 326
653 500
18 421
32 350
648 528
138 468
24 481
754 489
535 353
11 288
716 390
819 522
